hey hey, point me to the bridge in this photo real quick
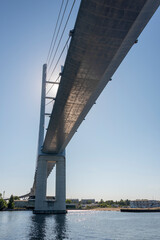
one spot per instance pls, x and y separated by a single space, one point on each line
104 33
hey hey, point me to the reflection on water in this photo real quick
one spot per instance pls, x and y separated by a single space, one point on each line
60 227
38 226
48 227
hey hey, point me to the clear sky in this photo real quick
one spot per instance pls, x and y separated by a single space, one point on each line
116 152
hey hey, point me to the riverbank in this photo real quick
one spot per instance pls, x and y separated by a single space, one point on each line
93 209
15 209
100 209
106 209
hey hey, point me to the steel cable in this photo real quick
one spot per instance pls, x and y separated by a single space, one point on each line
59 57
52 85
54 31
57 34
62 34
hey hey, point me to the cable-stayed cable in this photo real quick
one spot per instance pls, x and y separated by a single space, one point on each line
59 57
55 31
62 34
52 85
58 31
49 102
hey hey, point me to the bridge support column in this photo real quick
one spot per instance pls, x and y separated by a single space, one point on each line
41 184
42 205
60 203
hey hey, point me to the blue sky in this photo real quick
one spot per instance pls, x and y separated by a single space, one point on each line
116 152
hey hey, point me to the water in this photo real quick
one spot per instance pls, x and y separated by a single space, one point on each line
80 225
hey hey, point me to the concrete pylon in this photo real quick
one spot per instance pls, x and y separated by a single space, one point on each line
42 204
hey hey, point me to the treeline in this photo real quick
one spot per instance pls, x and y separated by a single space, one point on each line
111 203
7 205
100 204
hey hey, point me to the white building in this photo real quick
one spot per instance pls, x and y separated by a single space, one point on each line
144 203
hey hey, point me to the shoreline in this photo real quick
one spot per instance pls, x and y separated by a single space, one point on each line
157 209
93 209
118 209
106 209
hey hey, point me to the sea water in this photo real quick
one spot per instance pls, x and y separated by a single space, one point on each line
108 225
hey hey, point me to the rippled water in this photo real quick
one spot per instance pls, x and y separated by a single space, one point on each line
80 225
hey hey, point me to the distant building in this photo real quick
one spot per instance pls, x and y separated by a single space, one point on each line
75 201
87 201
24 204
144 203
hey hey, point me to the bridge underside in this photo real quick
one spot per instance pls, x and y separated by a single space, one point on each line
104 33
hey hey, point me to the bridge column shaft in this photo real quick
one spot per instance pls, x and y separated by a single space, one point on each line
42 205
60 204
41 184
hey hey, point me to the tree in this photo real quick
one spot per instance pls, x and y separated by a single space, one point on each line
16 198
121 203
101 201
127 202
11 202
68 201
3 204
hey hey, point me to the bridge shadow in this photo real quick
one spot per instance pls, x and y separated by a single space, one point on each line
48 227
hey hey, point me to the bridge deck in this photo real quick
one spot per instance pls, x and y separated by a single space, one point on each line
104 33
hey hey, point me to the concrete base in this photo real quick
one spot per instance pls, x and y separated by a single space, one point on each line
49 211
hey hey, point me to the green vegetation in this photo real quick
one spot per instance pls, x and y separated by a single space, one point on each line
89 202
68 201
101 204
111 203
11 202
3 203
10 205
16 198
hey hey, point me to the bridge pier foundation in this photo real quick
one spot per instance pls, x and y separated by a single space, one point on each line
42 205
